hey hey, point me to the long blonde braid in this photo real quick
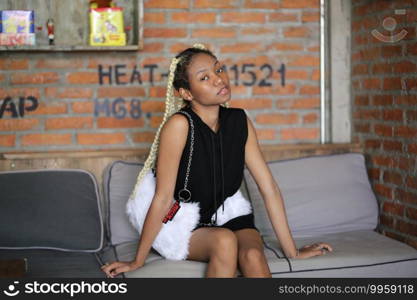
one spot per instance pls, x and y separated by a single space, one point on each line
172 105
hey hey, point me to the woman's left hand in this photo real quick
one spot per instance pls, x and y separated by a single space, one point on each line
314 250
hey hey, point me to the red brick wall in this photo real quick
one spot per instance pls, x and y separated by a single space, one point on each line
384 114
56 100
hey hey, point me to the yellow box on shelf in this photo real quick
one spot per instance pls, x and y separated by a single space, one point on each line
107 27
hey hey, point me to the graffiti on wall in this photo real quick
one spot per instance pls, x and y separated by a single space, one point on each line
18 108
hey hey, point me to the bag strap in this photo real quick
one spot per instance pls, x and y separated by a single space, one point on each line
184 194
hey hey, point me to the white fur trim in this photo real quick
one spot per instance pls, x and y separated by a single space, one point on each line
173 239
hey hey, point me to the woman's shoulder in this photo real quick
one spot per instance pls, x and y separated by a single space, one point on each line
176 123
235 112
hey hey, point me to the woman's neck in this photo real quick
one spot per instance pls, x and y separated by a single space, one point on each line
208 114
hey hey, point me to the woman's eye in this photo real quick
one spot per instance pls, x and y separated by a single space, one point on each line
221 69
204 77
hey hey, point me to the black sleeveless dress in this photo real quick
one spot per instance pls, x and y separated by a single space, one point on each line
217 165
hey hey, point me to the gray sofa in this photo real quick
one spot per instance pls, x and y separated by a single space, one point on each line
328 198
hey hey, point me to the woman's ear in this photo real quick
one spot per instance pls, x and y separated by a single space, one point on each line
185 94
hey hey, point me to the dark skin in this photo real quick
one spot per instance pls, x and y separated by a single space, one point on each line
223 249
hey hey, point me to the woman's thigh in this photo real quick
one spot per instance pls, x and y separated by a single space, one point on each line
205 240
249 238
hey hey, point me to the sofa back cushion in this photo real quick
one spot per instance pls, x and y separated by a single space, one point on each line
119 180
322 194
50 209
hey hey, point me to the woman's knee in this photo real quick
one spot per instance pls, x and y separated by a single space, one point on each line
251 256
225 243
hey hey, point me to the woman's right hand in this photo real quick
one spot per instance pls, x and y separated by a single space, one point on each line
117 267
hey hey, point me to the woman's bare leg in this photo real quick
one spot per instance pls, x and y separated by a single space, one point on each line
218 247
252 260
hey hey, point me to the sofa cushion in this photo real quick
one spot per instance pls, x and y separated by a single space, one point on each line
119 179
157 266
50 209
322 194
362 253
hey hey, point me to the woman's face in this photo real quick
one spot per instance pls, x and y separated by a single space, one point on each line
209 82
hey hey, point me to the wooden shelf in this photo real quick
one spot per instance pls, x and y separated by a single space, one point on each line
72 25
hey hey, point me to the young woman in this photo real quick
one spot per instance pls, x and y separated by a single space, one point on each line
224 140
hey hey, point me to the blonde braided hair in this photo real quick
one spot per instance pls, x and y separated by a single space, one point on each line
172 105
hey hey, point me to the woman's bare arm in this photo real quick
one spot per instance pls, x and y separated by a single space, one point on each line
172 142
273 200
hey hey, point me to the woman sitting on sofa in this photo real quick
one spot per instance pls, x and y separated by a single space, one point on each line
224 141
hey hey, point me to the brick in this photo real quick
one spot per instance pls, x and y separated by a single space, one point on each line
369 54
155 121
288 89
34 78
69 123
82 78
296 32
153 106
360 69
393 208
406 196
216 4
392 84
406 99
412 115
282 17
300 4
411 213
192 18
18 124
374 173
109 122
412 148
393 115
242 48
372 83
265 134
410 84
363 128
386 220
405 131
304 61
362 100
268 4
299 133
411 181
383 130
82 107
292 74
367 114
7 140
59 63
285 47
406 227
167 4
153 47
164 33
39 139
405 67
101 138
393 177
154 17
304 103
383 100
383 161
258 31
19 92
310 118
48 109
391 51
314 49
277 118
309 90
243 17
395 236
218 32
405 163
315 75
383 190
143 137
107 61
116 92
53 92
254 103
310 17
371 143
14 64
2 77
412 49
392 145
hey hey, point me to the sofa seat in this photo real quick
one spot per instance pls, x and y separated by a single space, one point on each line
157 266
43 263
363 253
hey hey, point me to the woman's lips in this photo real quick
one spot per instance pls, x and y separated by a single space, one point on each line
223 91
